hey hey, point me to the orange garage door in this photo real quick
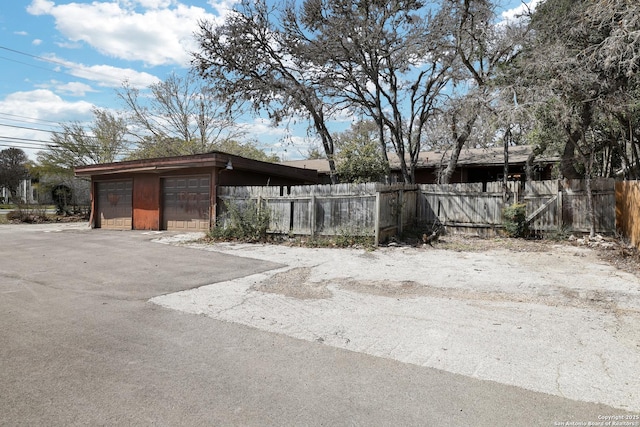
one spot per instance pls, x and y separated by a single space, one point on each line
185 203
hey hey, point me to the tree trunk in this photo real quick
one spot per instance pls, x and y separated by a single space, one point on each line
460 140
505 172
567 160
590 204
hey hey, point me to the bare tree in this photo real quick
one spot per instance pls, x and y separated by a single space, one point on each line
181 116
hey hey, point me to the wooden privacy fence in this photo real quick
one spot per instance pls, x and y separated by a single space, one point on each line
370 209
563 205
383 211
475 207
556 205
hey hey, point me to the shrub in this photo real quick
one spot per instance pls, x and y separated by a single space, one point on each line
28 214
247 222
515 220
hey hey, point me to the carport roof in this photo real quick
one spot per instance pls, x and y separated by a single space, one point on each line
215 159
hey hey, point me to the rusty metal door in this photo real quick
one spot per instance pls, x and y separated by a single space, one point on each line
186 202
114 205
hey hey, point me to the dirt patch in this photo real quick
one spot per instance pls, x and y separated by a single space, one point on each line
613 250
294 283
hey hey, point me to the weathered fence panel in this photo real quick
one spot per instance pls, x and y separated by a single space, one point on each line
369 209
461 206
543 206
563 205
309 210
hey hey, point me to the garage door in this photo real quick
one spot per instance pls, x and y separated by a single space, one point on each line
114 205
185 203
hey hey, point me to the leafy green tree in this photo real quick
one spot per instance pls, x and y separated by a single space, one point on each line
103 141
582 61
314 154
359 157
13 169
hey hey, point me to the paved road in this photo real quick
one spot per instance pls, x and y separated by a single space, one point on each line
81 345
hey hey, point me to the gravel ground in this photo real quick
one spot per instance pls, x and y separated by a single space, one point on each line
559 318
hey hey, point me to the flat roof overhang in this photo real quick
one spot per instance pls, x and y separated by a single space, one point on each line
208 160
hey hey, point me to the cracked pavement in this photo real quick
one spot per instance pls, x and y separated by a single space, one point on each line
560 322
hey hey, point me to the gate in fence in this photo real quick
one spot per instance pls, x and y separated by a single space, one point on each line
551 206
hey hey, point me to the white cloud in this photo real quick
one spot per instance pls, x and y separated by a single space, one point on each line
20 33
21 113
261 127
106 75
154 4
517 12
36 42
74 88
159 34
44 104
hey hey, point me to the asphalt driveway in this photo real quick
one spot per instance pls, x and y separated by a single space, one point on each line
80 344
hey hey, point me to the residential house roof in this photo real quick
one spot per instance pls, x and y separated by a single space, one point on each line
432 159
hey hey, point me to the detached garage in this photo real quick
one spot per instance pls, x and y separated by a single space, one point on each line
176 193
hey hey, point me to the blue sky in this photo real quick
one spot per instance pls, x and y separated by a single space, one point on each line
61 58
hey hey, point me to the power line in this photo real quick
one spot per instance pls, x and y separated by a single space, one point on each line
35 119
71 66
27 128
26 140
32 65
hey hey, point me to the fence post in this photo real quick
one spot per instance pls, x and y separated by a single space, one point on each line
377 219
312 215
401 210
560 207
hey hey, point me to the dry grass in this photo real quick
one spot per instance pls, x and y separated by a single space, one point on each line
613 250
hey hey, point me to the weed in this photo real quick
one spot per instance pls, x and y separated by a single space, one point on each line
515 220
28 214
247 222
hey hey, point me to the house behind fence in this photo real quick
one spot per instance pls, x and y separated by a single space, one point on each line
383 211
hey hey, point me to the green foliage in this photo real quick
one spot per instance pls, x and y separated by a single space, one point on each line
515 222
247 222
315 154
103 141
247 149
359 158
353 238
